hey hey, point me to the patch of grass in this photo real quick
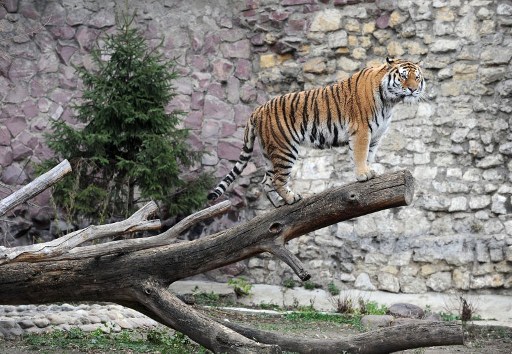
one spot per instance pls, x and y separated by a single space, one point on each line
309 285
333 289
311 315
208 299
241 286
154 341
289 283
269 306
371 308
449 316
346 305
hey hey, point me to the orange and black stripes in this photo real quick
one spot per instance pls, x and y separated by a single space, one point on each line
354 111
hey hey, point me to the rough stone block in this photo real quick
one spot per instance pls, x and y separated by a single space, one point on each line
496 55
86 37
458 204
20 151
240 49
229 150
460 279
315 65
326 21
499 204
388 282
14 175
222 69
396 18
243 69
363 282
217 109
21 68
496 254
444 45
440 281
376 321
405 310
337 39
6 157
486 281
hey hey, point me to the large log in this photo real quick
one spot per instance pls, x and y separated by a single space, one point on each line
384 340
137 273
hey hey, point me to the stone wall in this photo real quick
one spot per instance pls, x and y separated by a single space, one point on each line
234 55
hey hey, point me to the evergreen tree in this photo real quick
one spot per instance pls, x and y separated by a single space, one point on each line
130 148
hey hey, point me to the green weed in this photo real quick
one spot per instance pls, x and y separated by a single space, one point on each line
311 315
371 308
161 341
269 306
241 286
289 283
207 299
333 289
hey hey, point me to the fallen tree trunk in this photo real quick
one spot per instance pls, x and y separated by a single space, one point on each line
137 272
384 340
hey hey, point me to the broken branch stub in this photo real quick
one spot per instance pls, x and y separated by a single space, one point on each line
332 206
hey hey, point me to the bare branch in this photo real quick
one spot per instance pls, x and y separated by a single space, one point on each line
44 251
193 219
289 258
35 187
162 239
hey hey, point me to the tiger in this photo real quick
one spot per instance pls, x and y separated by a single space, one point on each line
356 111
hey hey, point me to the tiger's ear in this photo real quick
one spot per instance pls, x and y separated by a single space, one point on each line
390 61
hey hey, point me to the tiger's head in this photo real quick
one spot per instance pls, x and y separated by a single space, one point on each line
404 81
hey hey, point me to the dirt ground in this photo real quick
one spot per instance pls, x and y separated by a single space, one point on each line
478 339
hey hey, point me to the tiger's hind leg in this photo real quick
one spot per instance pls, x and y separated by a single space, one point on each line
282 170
270 190
275 183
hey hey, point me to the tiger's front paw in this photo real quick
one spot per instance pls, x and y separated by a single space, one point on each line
365 176
296 198
292 198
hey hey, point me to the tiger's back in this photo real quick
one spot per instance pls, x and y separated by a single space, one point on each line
320 117
356 111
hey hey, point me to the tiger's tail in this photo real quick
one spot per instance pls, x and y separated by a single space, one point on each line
245 156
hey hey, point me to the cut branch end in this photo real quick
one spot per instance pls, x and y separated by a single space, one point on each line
289 258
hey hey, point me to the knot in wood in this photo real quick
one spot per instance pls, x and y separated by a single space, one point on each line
275 228
352 197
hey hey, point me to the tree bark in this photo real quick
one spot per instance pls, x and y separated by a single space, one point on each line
136 273
384 340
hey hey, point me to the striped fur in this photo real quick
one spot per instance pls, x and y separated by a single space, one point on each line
356 111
